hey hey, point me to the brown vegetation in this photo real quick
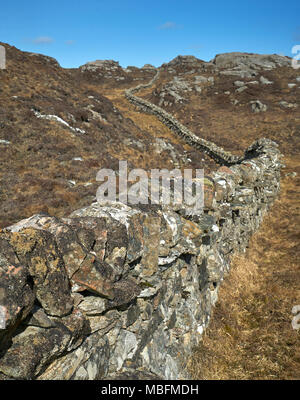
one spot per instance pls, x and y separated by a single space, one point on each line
250 335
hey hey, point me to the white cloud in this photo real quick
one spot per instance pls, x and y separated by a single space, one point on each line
43 40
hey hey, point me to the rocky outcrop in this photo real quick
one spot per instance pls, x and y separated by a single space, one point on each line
174 91
108 65
257 106
285 104
183 61
148 67
247 65
104 69
113 291
44 59
217 153
243 65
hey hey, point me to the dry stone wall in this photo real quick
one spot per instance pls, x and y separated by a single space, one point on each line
116 291
217 153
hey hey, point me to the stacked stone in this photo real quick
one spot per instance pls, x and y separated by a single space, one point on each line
217 153
114 290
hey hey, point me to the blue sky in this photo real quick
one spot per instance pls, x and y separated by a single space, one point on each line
139 32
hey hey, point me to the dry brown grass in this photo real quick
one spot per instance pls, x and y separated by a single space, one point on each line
250 335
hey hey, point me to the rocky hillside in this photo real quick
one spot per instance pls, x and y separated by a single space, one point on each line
58 126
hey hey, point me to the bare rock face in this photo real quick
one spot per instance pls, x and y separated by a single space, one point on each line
265 81
38 251
257 106
183 60
87 362
105 69
32 349
246 65
109 65
285 104
172 92
175 91
149 67
186 65
16 291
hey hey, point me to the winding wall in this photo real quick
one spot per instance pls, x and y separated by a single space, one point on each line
125 292
211 149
